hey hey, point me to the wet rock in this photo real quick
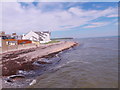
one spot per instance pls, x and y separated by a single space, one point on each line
12 77
16 76
33 82
21 72
43 62
9 80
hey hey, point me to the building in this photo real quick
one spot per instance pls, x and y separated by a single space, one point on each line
11 41
41 37
2 37
7 39
15 36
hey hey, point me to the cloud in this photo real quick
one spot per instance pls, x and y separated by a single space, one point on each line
113 15
97 24
22 18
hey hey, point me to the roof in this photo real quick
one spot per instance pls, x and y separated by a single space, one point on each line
42 33
39 33
5 35
10 40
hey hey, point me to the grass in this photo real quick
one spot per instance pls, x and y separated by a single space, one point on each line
53 41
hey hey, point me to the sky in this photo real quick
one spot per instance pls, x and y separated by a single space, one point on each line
62 19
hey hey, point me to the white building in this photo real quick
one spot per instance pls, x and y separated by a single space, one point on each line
42 37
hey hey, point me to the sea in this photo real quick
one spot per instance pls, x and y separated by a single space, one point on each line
91 64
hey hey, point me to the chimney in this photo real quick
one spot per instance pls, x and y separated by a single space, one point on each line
14 34
2 33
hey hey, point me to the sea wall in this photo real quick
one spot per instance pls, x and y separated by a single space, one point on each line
23 59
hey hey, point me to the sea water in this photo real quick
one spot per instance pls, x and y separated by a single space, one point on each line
92 64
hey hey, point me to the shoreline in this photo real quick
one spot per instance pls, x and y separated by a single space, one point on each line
16 60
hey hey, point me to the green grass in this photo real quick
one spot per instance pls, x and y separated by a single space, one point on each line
53 41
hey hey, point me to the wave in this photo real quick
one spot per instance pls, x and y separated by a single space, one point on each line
65 64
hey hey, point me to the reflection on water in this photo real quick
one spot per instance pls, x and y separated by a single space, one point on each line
92 64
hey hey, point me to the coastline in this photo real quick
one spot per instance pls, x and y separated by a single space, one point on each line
69 63
23 59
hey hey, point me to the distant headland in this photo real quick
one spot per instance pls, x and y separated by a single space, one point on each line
62 38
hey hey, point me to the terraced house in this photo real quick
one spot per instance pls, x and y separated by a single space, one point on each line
38 37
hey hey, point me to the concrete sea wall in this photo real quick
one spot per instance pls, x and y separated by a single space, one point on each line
23 59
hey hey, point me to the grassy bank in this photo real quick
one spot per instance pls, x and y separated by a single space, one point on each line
53 41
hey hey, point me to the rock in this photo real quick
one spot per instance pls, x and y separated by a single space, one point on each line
10 78
16 76
21 72
33 82
43 62
36 63
23 60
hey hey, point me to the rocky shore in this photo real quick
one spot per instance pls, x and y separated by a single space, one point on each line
23 59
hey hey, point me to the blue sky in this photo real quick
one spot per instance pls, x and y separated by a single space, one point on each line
63 19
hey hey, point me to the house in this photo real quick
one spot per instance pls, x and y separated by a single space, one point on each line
41 37
15 36
11 41
7 39
2 37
